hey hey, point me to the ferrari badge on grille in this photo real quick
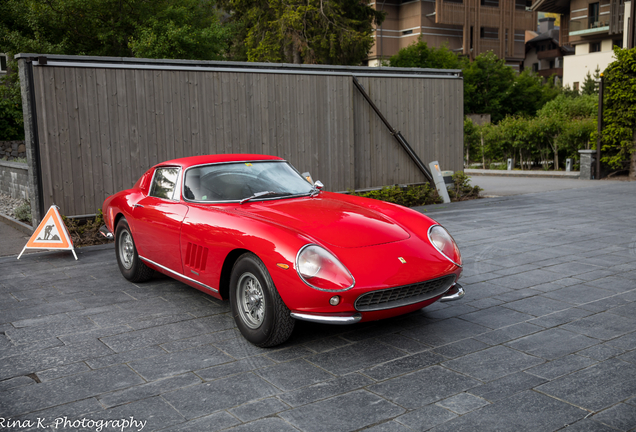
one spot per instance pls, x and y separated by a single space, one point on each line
402 260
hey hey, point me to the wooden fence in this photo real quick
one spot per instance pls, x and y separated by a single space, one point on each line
96 124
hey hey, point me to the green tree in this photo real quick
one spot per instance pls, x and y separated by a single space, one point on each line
583 106
472 140
304 31
487 82
419 55
188 29
11 122
491 87
527 95
619 117
589 84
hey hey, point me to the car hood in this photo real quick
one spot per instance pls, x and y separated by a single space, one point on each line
332 221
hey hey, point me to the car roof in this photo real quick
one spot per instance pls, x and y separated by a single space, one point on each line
218 158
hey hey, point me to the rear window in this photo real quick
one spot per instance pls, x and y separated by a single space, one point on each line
164 183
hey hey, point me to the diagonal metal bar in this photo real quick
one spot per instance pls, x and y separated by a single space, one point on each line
396 134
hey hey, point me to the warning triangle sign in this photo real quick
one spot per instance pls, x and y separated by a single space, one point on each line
50 234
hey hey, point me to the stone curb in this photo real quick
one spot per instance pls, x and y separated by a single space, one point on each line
20 226
534 174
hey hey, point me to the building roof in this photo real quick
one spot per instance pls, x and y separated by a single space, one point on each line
556 6
552 35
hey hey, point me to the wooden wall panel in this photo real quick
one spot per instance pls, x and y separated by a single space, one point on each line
101 128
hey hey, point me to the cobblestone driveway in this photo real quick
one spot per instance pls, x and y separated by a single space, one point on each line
545 338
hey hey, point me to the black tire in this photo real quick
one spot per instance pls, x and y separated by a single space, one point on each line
267 322
131 267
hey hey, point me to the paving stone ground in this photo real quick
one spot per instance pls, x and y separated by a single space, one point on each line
544 340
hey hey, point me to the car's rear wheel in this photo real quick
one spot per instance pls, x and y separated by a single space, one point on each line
259 312
131 267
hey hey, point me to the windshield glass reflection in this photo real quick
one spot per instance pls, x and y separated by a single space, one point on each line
238 181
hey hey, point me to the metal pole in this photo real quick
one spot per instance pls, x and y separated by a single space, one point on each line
599 122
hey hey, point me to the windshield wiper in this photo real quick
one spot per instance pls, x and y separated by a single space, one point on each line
262 194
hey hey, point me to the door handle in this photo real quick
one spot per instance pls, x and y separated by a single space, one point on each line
138 205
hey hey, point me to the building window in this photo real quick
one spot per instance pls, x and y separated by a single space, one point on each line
523 4
489 33
535 67
595 47
3 63
492 3
551 64
407 32
618 43
575 85
593 15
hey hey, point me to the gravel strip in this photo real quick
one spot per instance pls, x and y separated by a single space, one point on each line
8 204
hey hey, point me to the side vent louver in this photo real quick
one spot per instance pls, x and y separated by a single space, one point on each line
196 257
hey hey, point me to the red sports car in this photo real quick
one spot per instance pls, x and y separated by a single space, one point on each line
252 229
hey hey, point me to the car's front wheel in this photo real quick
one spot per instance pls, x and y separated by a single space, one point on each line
259 312
131 267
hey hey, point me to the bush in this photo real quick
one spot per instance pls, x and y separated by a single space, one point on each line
462 190
86 232
413 196
410 196
23 212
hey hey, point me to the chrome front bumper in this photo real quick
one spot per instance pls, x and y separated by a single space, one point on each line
455 293
327 319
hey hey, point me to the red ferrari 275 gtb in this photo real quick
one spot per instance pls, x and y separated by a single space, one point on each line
251 229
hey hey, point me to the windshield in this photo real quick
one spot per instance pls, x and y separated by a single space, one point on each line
238 181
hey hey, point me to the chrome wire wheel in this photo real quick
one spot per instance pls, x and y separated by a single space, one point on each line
126 249
251 301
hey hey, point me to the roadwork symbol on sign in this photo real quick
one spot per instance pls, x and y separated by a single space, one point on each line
51 234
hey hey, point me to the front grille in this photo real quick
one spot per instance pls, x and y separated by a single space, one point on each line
404 295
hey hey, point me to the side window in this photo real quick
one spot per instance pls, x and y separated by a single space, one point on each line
164 183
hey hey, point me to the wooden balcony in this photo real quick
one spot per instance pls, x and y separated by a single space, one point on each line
550 54
454 13
546 73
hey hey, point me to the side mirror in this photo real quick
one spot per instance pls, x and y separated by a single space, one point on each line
318 185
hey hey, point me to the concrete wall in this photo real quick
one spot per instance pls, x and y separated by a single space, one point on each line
14 179
577 66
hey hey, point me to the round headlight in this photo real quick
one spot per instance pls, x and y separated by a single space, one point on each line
444 243
320 269
309 263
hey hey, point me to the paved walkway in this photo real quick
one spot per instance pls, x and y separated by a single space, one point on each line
11 240
544 340
506 186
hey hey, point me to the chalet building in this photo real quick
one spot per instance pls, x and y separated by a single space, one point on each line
592 28
469 27
544 53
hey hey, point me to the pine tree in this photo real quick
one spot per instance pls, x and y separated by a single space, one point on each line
304 31
589 84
